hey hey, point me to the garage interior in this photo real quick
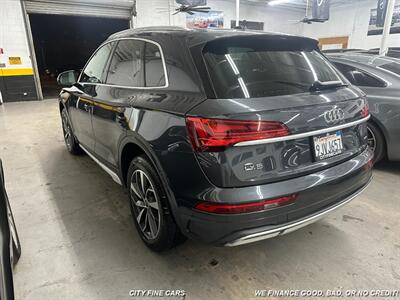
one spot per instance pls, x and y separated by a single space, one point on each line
74 222
65 46
79 241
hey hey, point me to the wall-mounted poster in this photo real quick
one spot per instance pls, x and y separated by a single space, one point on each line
320 10
376 29
211 19
381 12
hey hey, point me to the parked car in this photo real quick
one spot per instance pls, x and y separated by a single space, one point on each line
10 247
227 137
392 52
379 77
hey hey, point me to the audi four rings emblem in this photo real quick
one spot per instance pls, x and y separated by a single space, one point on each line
333 116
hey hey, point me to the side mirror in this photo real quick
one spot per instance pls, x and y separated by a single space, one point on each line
67 78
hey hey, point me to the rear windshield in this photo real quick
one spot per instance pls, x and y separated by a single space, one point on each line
262 68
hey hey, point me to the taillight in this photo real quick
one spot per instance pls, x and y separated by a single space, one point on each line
365 110
218 208
369 165
214 135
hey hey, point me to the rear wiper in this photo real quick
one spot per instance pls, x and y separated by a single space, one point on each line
325 85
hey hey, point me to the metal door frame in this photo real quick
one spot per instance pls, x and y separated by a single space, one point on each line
32 53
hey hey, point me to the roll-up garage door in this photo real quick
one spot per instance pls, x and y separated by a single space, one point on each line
95 8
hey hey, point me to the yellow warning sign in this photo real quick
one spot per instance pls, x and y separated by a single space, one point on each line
14 60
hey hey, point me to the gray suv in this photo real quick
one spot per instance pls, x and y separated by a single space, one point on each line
227 137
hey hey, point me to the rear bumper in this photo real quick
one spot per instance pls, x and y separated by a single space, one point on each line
318 194
290 227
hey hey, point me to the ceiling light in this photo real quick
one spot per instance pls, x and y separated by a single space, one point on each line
277 2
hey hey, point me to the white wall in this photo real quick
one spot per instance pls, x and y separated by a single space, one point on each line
155 13
350 20
274 18
13 37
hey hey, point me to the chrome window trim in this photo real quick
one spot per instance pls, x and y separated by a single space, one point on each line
302 135
127 86
370 73
376 77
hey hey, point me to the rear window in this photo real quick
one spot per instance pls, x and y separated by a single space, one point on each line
261 68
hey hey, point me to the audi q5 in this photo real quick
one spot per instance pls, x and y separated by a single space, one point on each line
227 137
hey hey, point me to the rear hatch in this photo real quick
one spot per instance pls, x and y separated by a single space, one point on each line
279 110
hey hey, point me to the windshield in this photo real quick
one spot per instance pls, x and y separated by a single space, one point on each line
247 72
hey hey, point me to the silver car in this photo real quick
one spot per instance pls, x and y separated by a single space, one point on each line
379 77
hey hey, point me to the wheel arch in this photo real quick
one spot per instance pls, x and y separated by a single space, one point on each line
61 105
129 150
381 128
133 146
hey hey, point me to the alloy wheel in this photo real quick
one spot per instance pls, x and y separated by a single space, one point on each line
371 139
146 204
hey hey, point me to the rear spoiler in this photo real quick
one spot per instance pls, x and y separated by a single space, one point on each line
268 42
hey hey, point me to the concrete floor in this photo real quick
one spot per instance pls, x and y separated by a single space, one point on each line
79 242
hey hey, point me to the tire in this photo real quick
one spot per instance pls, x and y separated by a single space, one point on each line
70 140
150 208
376 141
16 245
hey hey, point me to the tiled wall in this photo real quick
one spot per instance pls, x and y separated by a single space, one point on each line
17 82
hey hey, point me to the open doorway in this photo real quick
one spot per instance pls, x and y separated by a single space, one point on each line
66 43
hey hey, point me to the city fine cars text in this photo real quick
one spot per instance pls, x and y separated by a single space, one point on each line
157 293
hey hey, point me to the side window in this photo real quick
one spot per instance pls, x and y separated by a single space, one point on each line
126 67
154 70
94 70
358 77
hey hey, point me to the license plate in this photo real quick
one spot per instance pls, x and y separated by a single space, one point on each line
328 145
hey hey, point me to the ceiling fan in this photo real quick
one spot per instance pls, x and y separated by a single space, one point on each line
307 20
191 9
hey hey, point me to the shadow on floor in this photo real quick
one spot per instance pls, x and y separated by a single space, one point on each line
388 166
